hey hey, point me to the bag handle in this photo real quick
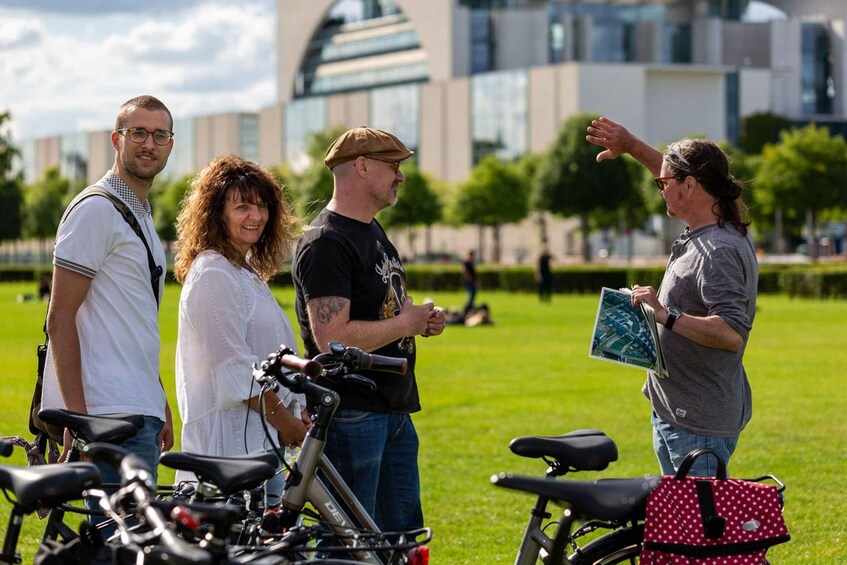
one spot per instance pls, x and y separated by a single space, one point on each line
694 454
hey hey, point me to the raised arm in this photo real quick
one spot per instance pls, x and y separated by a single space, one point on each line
617 140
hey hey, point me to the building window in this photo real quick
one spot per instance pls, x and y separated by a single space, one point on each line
677 43
733 93
29 160
482 42
589 31
181 161
499 115
248 134
397 110
818 87
302 117
359 45
360 80
73 163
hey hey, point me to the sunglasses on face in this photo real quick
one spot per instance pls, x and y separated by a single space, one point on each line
662 182
394 164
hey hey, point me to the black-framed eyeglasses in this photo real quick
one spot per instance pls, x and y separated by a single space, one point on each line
662 182
139 135
395 164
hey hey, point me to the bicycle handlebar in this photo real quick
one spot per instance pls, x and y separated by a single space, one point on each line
307 367
355 359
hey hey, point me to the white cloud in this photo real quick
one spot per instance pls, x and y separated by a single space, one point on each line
207 58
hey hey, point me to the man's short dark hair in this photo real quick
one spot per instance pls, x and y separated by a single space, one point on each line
145 101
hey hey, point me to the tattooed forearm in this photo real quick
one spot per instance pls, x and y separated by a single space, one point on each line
328 308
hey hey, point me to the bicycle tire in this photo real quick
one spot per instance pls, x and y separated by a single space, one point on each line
619 546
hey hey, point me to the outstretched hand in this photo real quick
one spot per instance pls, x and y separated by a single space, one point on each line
613 137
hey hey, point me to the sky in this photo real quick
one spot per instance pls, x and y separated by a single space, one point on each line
66 66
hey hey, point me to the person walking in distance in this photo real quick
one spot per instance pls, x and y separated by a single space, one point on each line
103 318
706 303
543 274
350 288
469 280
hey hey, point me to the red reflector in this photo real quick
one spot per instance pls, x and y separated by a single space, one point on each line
419 556
185 518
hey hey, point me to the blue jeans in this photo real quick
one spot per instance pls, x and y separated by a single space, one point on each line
673 444
145 445
377 456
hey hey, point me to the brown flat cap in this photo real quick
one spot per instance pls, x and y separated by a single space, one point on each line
365 141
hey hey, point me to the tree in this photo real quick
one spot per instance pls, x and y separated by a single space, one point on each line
166 201
44 203
494 194
315 184
417 204
10 187
757 130
804 175
570 182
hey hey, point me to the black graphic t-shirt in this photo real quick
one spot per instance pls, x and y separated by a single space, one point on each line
340 256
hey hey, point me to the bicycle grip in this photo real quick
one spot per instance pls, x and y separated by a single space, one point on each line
308 367
5 448
373 362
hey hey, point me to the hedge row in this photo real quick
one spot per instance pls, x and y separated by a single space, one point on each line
807 281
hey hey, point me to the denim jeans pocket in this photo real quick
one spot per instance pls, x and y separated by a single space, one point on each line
351 416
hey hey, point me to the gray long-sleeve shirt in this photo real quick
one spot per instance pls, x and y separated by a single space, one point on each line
711 271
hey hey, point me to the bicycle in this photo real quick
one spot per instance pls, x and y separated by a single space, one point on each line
615 507
53 487
313 479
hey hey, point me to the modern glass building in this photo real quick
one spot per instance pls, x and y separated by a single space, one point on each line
461 79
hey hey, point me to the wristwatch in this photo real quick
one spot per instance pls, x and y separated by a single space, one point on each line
673 314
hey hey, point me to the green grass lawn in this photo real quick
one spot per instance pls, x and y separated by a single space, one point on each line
530 374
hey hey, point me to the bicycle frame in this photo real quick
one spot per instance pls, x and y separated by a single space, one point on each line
304 485
314 480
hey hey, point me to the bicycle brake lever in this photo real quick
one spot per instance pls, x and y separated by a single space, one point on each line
359 379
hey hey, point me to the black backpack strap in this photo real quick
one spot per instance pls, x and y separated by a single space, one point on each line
156 271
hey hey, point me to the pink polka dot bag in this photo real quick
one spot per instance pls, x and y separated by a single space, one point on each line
717 521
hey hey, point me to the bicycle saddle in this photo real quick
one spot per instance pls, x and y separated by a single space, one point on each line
228 474
110 429
605 499
579 450
48 485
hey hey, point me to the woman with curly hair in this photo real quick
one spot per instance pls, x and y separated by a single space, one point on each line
234 230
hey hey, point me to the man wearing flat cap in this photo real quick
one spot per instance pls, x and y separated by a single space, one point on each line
351 289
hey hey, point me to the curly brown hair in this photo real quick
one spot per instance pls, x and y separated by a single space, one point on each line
200 224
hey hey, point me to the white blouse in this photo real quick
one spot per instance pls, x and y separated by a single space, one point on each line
228 320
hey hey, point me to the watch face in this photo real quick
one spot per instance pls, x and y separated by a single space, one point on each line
674 311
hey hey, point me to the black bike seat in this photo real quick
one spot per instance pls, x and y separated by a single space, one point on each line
605 499
108 428
48 485
228 474
579 450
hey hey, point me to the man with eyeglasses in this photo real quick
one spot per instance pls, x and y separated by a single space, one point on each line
351 288
706 303
102 321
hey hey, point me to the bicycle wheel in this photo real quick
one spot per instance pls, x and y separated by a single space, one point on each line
619 546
